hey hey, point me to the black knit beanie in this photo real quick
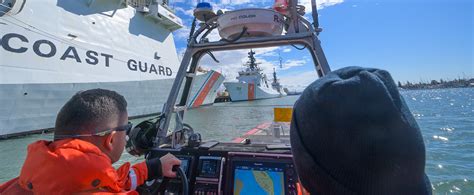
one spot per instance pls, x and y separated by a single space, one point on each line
352 133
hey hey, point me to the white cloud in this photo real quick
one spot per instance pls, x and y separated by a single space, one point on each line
266 52
235 2
188 12
286 50
293 63
299 81
182 33
230 62
214 36
320 4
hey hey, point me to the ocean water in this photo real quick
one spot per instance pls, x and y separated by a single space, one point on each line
445 116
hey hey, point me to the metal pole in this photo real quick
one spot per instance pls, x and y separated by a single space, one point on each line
321 63
168 108
314 12
294 24
189 79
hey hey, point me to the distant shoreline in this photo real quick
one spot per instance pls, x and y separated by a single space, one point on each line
410 89
441 84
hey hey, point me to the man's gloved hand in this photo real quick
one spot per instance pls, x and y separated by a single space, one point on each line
162 167
167 163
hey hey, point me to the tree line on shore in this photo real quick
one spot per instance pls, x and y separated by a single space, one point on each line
435 84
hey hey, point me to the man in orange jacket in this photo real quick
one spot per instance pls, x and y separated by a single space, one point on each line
89 136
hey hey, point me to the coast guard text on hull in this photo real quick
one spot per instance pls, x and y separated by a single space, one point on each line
18 43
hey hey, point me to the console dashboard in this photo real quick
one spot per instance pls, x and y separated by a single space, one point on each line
233 168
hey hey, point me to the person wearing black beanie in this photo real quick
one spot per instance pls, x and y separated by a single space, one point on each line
352 133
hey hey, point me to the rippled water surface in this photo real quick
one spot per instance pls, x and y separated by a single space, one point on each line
446 117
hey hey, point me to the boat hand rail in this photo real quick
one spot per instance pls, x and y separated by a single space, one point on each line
256 42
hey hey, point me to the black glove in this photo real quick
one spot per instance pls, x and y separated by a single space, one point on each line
154 168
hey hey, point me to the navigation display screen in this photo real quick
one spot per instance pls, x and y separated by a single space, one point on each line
184 165
258 178
209 168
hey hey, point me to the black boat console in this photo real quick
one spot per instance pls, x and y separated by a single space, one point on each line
234 168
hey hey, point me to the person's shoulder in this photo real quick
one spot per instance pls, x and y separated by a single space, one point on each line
78 146
13 187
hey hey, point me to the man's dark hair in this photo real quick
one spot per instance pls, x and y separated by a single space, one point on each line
86 109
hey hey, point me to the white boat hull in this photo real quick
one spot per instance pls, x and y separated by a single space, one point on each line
51 49
204 91
29 108
248 91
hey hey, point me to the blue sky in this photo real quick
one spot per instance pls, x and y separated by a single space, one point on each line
416 40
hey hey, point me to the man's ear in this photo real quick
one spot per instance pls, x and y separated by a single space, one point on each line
109 140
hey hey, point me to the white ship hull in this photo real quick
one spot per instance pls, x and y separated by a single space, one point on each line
252 83
29 108
204 91
52 49
248 91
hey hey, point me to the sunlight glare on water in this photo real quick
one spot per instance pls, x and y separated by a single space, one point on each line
446 117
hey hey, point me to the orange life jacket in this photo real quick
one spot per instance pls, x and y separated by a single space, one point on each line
73 166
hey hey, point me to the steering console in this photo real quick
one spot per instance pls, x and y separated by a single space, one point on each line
160 186
184 179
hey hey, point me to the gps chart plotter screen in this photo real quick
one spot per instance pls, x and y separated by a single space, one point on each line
258 178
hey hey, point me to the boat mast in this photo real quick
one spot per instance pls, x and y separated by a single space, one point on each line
274 76
279 59
251 63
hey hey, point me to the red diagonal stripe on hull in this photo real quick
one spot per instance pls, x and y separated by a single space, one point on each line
202 96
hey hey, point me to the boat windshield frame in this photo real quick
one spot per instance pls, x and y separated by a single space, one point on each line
299 32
